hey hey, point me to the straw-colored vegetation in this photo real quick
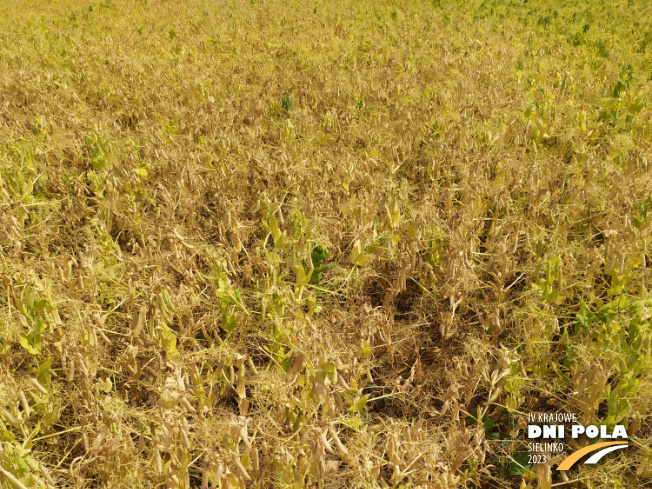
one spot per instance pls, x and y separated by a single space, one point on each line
295 244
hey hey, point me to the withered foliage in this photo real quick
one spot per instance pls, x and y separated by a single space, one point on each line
322 245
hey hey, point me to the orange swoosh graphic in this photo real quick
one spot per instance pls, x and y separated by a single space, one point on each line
571 459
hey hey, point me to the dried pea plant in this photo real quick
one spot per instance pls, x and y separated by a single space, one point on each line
321 245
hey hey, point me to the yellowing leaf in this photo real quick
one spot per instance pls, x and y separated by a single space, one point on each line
359 404
106 386
394 213
365 349
228 321
358 256
302 277
24 342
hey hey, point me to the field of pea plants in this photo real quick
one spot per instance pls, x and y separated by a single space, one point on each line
300 244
